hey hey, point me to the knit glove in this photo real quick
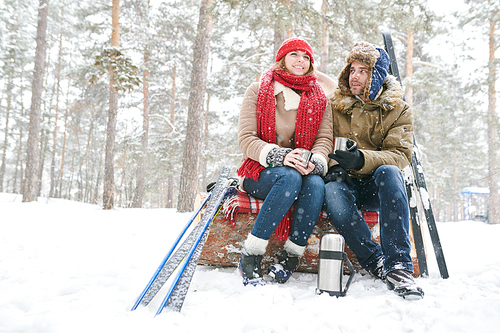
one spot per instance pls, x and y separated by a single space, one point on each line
276 156
318 167
350 159
337 174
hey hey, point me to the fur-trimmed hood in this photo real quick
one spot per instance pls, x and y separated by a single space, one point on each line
327 83
392 93
376 59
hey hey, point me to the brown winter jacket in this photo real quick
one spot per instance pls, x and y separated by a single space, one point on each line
287 102
382 129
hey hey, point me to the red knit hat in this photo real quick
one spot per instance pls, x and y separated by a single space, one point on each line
294 44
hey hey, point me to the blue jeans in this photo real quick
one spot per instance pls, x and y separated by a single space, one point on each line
280 187
385 192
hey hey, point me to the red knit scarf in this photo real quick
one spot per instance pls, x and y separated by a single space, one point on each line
309 115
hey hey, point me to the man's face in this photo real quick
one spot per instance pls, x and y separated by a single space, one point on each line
357 78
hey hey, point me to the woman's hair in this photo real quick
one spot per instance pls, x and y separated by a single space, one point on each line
281 65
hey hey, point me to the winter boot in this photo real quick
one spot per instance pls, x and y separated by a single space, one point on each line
403 284
378 271
286 265
250 270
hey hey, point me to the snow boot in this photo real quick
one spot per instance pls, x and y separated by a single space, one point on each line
250 270
286 265
403 284
378 271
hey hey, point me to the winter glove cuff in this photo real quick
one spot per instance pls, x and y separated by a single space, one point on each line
318 166
337 174
276 156
353 160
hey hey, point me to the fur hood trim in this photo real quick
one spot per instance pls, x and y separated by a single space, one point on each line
376 59
391 94
327 83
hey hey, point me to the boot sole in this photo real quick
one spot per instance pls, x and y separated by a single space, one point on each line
251 282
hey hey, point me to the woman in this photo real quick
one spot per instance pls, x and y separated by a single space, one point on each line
280 115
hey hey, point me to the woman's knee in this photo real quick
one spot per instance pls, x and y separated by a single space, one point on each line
314 183
291 175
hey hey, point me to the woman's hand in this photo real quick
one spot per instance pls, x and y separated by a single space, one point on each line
294 160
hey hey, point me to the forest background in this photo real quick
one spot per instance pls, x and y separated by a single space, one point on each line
137 102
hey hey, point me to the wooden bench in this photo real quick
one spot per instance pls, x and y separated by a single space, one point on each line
225 241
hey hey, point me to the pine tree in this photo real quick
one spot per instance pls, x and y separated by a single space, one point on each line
192 145
33 154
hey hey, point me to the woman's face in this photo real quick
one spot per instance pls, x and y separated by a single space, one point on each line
297 62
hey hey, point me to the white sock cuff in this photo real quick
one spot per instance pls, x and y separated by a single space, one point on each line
294 249
255 245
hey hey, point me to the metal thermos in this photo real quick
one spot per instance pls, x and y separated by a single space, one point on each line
331 263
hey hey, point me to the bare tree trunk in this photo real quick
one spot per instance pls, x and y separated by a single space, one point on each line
53 184
493 170
93 198
63 154
109 178
278 38
206 138
31 182
88 168
72 174
43 149
323 67
194 132
19 161
409 66
79 176
170 178
141 168
6 140
282 28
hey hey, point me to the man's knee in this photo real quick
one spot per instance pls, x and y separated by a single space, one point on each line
337 196
334 189
388 174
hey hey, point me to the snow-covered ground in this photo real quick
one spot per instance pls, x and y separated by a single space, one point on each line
72 267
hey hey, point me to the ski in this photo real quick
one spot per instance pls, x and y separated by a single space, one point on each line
166 267
179 288
418 178
429 216
409 178
416 226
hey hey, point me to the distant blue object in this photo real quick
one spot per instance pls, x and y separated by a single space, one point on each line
476 190
477 208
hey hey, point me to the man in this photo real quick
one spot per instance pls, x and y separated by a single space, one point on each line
369 110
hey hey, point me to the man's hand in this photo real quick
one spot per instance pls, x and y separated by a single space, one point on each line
350 159
337 174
